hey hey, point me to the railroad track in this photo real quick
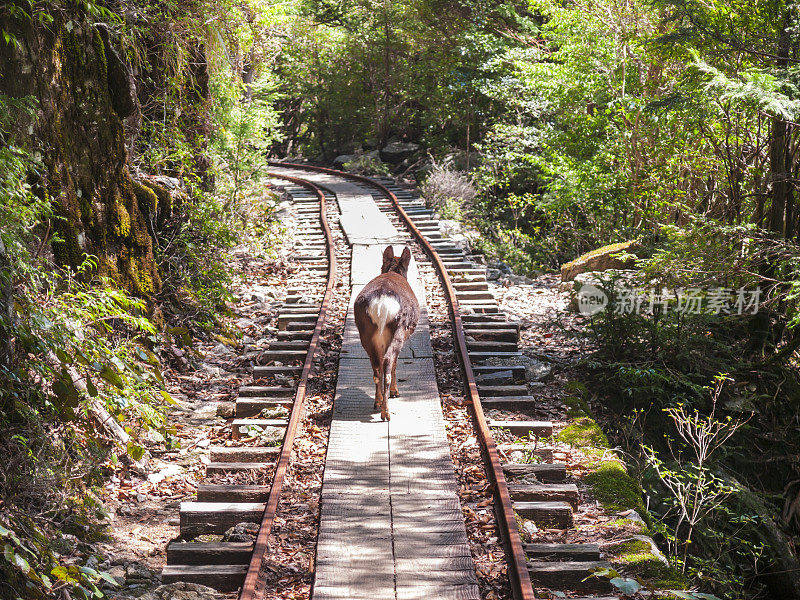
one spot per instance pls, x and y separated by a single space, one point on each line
494 378
229 566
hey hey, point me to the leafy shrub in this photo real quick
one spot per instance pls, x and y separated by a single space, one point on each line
76 366
445 186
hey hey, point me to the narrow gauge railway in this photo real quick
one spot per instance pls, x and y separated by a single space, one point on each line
487 347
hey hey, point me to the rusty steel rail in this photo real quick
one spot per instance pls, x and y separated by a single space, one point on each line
251 581
521 585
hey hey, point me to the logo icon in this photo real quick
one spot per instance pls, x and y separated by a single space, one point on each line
591 300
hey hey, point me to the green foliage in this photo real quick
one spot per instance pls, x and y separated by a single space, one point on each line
245 127
74 352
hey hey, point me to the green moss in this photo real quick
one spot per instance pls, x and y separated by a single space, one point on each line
146 198
636 558
583 433
577 407
99 47
615 489
140 277
629 525
121 220
66 249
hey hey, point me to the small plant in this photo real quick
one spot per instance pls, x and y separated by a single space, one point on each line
695 490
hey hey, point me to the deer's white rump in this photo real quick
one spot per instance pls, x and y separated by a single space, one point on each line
383 309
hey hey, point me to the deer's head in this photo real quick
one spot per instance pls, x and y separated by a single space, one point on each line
396 264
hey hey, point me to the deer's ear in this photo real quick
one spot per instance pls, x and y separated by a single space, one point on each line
405 258
388 255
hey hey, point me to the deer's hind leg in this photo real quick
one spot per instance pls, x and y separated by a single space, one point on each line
393 391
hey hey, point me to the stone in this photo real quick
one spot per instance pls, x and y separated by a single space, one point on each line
500 266
170 183
601 259
137 572
493 274
241 532
226 410
182 591
535 370
395 152
340 161
518 280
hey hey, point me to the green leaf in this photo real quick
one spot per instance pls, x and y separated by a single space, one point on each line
63 356
112 377
65 390
4 532
167 397
107 577
21 563
626 585
92 391
60 572
135 451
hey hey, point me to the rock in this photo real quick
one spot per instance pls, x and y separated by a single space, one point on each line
221 350
167 471
271 435
137 572
395 152
245 323
520 280
170 183
493 274
226 410
535 370
500 266
118 573
530 527
342 159
653 547
632 515
601 259
242 532
182 591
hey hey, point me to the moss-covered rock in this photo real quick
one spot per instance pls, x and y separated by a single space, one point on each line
614 489
601 259
639 557
584 432
80 134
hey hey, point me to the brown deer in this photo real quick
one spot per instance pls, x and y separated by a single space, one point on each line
386 313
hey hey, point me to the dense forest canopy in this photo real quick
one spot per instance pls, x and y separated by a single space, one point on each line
134 136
